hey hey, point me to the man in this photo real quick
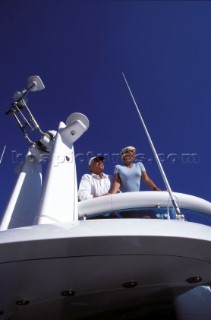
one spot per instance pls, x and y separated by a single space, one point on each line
95 184
128 176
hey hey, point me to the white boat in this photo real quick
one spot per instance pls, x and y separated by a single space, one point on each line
119 257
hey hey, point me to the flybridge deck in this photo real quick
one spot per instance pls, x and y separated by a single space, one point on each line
109 268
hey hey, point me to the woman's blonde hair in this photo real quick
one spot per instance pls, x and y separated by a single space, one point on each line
129 148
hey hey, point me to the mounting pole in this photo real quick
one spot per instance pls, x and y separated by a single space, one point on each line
174 202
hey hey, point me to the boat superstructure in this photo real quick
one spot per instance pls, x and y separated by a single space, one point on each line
123 256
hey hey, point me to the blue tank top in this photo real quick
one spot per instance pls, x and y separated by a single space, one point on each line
130 177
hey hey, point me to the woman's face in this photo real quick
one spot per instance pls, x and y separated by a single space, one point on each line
128 156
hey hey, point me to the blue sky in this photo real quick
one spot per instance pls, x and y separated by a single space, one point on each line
80 49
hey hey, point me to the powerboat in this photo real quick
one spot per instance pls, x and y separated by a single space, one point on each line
125 256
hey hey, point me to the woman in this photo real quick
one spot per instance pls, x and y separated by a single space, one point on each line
127 177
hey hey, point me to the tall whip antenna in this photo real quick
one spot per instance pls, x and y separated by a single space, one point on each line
174 202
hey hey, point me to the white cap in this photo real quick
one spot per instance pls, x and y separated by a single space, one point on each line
95 157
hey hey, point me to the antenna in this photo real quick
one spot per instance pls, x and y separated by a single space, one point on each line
174 202
34 83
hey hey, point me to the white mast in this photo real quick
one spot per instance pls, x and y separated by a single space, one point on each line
59 196
56 201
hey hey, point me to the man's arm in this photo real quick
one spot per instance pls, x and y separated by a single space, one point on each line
84 191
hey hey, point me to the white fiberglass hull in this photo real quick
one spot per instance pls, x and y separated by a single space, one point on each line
93 260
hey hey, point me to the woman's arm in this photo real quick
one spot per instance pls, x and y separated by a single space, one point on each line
149 182
116 184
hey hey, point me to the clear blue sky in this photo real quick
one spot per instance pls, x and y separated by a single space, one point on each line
80 48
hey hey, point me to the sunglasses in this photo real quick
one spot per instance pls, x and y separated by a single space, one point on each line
97 160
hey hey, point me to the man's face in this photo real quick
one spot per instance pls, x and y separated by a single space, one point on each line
97 166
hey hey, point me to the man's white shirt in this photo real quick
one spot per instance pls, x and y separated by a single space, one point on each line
91 185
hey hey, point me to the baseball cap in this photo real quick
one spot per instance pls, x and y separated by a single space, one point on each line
101 158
